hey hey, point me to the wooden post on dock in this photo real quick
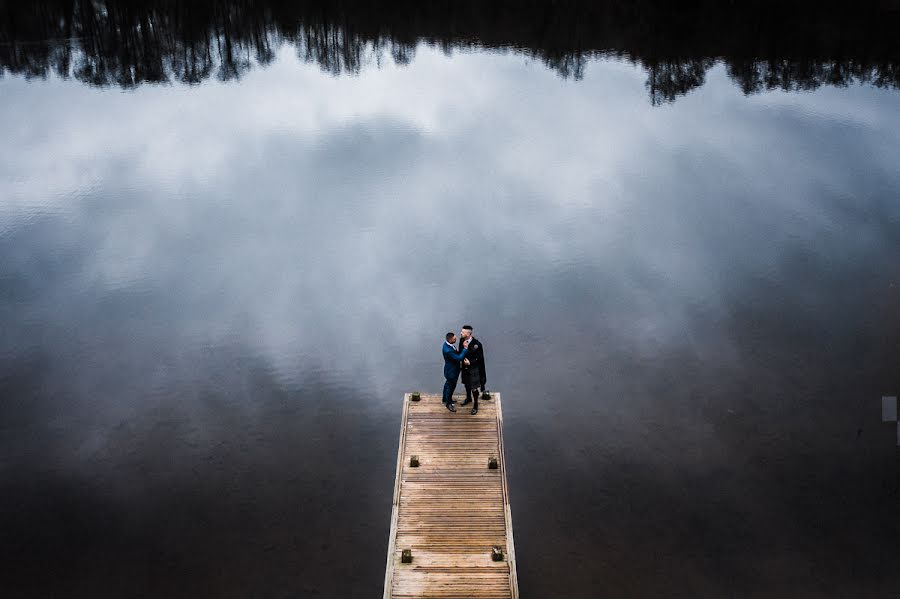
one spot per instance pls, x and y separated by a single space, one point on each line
451 512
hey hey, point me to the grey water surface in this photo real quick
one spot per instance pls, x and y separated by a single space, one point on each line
212 297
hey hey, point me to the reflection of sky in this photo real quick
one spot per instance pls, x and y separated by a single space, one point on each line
315 210
338 226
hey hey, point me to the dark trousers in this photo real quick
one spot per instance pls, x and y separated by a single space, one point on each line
449 388
473 395
471 381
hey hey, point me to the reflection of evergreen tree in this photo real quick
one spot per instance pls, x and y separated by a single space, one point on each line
796 45
799 75
672 78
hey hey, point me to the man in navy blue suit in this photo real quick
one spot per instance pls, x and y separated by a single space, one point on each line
452 358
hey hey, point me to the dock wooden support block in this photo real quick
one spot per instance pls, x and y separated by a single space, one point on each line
451 512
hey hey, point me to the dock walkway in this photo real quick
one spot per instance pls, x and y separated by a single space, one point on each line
452 509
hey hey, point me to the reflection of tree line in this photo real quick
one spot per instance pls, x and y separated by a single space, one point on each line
765 45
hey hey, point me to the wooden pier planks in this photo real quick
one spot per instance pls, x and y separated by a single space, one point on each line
452 509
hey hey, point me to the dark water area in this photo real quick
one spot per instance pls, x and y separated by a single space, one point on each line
232 234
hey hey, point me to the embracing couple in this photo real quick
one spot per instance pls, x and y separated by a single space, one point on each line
467 359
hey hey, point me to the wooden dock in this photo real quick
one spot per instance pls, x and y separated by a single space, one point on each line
451 510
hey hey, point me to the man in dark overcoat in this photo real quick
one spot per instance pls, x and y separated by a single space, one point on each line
474 374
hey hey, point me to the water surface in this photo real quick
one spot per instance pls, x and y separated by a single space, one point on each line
215 289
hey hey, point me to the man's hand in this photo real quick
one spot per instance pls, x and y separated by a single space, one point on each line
467 342
466 361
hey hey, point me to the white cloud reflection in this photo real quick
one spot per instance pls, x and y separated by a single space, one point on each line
686 306
317 210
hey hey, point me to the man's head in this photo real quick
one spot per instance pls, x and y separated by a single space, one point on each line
466 331
450 337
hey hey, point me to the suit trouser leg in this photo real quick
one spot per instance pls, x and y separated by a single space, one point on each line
449 388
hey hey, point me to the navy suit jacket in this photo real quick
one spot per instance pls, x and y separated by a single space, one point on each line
452 360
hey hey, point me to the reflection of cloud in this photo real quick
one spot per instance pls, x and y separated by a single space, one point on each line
317 218
669 297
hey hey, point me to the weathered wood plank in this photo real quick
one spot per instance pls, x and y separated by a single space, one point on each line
451 509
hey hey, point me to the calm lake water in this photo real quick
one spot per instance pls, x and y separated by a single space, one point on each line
218 277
